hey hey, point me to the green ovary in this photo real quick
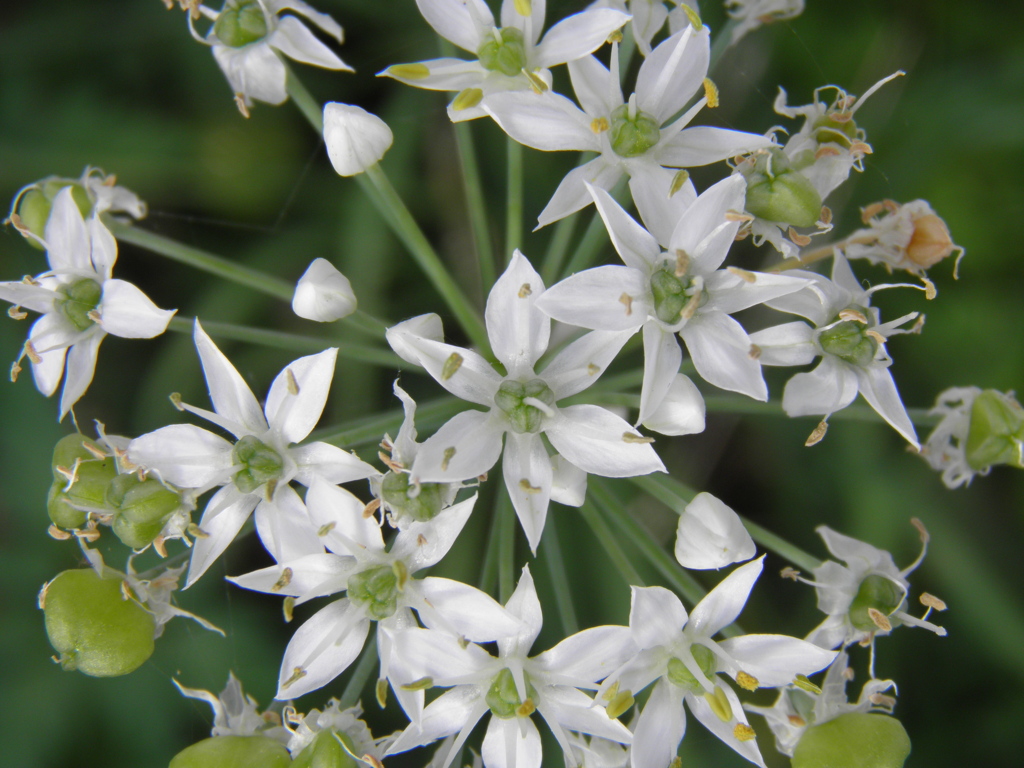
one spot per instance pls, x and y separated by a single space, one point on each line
423 506
523 416
632 135
672 294
239 24
504 52
679 675
849 340
376 589
80 298
878 592
260 464
503 698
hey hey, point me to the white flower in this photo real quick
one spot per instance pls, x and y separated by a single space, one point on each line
678 652
909 236
867 596
255 471
248 38
521 404
512 686
323 294
355 138
850 340
631 136
512 57
675 289
359 741
80 303
235 713
711 535
945 448
751 14
379 589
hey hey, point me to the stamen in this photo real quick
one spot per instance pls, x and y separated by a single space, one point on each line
448 454
629 437
288 608
297 675
599 124
710 93
754 353
293 384
799 239
677 182
803 683
58 534
719 704
419 685
370 509
880 620
682 262
747 681
16 313
381 692
284 581
592 369
743 732
240 103
913 621
796 720
745 275
931 601
626 300
196 532
31 354
525 485
451 365
818 434
853 314
525 290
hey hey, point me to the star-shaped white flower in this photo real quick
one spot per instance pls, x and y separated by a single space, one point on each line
522 403
255 470
512 57
512 686
675 289
633 137
248 38
676 649
80 303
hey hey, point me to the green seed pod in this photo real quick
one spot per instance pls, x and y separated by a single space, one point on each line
848 340
79 300
262 464
233 752
143 507
240 23
35 204
93 627
787 198
90 480
996 431
878 592
325 751
423 506
854 740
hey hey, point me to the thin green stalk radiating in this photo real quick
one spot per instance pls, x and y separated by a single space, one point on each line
370 429
506 522
514 202
610 544
475 204
552 554
364 668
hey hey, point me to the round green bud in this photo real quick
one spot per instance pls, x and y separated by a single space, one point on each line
261 464
507 55
88 488
61 513
78 300
670 295
35 204
143 507
423 506
878 592
503 698
787 198
524 417
377 589
854 740
632 136
326 751
848 340
995 432
240 23
679 675
233 752
93 627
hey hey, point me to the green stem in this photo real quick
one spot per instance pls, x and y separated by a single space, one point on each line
559 578
310 108
862 413
203 260
558 247
722 42
610 544
506 522
475 203
369 429
489 567
290 341
355 685
595 236
514 203
393 209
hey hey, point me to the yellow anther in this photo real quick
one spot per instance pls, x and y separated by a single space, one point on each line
467 99
745 275
381 692
797 721
754 353
16 313
629 437
743 732
526 709
692 16
854 315
599 124
614 37
691 307
58 534
930 291
747 681
419 685
826 151
619 704
801 682
284 581
524 7
797 238
297 674
525 290
31 354
732 215
288 609
818 434
421 540
931 601
293 383
451 366
825 216
409 71
536 82
401 574
627 301
879 619
592 369
175 398
240 103
370 509
196 532
682 262
719 704
526 486
15 370
271 489
710 92
876 336
790 573
449 453
323 530
678 181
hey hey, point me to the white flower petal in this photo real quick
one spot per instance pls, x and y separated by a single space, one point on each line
730 292
466 446
34 296
225 514
702 145
545 121
103 247
444 75
421 544
660 728
80 365
461 21
635 245
576 36
568 482
284 526
720 349
776 660
572 195
656 617
456 710
596 90
294 40
662 358
607 298
127 312
463 372
47 335
355 138
574 710
878 388
725 729
333 464
229 393
524 605
681 412
711 535
335 508
67 242
588 656
599 442
298 395
303 577
184 455
786 344
828 388
322 648
579 364
723 604
704 232
527 471
473 614
660 209
673 72
254 71
518 330
513 743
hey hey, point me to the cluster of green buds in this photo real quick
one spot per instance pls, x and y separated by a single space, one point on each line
777 191
89 484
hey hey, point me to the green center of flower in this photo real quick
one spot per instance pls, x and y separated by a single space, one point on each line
78 300
632 132
876 592
675 296
406 501
525 403
778 192
260 464
503 698
376 589
240 23
504 52
679 674
829 130
849 340
996 431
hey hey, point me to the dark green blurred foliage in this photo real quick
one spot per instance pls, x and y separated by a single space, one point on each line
121 85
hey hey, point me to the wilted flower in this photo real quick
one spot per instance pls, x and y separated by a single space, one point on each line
909 236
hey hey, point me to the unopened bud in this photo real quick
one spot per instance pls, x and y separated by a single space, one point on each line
854 740
323 294
355 138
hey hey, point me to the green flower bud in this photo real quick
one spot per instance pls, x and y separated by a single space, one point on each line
240 23
854 740
503 698
261 464
506 55
89 484
143 507
425 505
848 340
80 298
93 627
523 416
632 136
679 675
35 204
996 431
878 592
326 751
777 192
233 752
377 589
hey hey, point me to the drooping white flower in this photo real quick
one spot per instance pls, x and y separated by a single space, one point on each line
248 38
633 137
80 303
235 713
674 285
512 686
711 535
752 14
257 469
678 652
521 404
909 236
512 57
850 339
323 294
355 138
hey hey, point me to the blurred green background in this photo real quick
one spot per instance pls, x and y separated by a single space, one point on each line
121 85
